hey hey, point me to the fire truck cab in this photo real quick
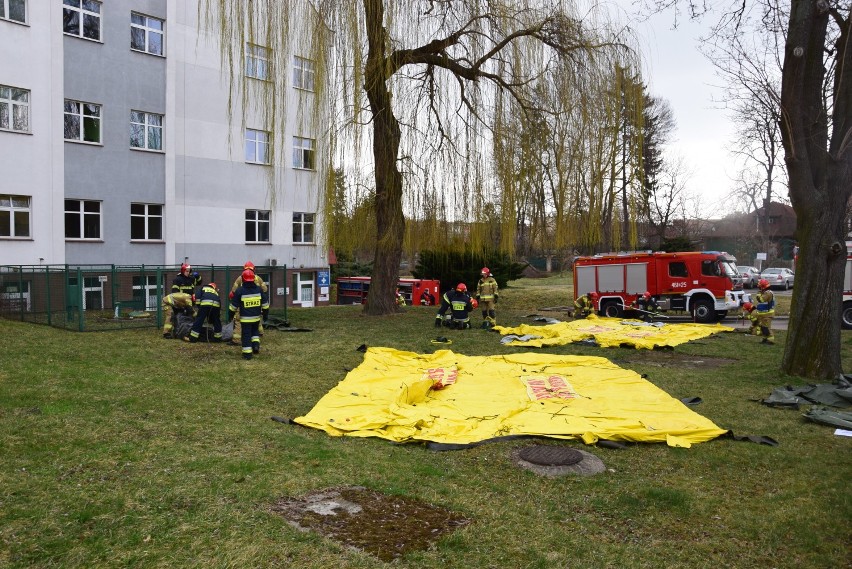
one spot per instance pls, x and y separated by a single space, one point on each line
696 282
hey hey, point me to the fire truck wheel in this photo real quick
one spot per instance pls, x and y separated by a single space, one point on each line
611 309
703 311
847 315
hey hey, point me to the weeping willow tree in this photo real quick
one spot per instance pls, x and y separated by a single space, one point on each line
419 88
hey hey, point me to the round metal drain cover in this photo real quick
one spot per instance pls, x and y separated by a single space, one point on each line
550 455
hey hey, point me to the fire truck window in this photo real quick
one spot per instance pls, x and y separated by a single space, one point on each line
710 268
678 269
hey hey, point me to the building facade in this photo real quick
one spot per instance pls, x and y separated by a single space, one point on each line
118 146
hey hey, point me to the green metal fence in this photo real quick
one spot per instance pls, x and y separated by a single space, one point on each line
107 297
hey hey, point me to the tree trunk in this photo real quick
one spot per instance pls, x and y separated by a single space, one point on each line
390 221
820 184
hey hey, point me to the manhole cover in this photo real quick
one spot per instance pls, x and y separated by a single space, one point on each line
550 455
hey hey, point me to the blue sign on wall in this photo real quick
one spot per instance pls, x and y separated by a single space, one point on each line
323 278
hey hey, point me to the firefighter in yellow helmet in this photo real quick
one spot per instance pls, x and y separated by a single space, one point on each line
263 287
486 294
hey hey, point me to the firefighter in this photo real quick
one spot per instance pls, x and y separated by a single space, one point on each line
263 287
765 304
647 306
585 305
209 308
459 303
251 302
486 295
172 304
748 312
186 280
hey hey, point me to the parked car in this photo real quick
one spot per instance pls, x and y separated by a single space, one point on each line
779 278
749 275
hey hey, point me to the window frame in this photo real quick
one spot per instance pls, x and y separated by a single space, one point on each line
11 105
82 218
255 221
4 6
82 117
258 57
148 31
304 156
304 73
302 224
13 211
147 127
82 12
148 218
256 145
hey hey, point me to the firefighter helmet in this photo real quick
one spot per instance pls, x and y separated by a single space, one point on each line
249 265
646 295
748 307
763 284
461 287
185 267
248 276
485 272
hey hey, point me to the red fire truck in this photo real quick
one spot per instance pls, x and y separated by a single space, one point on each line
696 282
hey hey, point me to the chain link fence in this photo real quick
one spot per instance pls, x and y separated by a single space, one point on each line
89 298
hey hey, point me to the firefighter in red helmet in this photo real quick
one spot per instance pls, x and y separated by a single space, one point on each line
458 302
486 294
251 302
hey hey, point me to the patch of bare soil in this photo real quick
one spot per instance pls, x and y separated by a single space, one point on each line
664 358
385 526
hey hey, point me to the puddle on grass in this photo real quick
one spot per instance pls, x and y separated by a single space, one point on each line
664 358
385 526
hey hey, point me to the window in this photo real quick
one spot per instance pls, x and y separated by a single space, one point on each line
14 216
14 108
257 226
303 73
303 153
257 62
678 269
82 18
15 10
82 219
257 146
303 228
82 121
146 221
146 34
146 130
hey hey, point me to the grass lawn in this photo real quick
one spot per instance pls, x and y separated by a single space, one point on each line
121 449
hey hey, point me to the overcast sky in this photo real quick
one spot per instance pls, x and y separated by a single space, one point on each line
676 71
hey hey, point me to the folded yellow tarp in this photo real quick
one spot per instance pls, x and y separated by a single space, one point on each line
392 395
611 332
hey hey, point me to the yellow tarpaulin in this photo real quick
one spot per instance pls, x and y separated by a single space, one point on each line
391 395
610 332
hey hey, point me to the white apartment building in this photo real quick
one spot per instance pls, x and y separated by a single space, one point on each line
116 145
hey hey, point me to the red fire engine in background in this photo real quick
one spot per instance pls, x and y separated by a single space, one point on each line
696 282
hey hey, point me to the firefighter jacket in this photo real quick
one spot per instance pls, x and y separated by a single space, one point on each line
250 301
257 280
208 296
178 300
186 284
765 302
486 289
583 306
458 303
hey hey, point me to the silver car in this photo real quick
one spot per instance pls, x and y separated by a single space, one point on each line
779 278
749 276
